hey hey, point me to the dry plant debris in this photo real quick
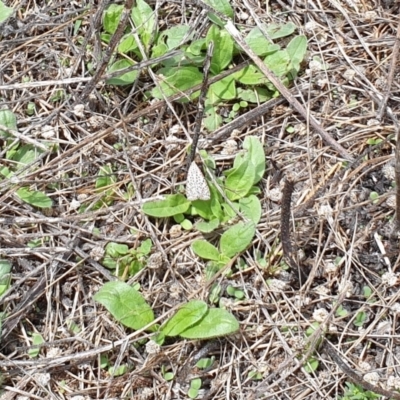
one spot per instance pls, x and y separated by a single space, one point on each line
99 160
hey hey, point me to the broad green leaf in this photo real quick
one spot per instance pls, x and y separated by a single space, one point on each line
223 6
213 119
125 304
34 197
311 365
116 249
224 89
297 49
259 43
223 49
188 315
239 180
251 208
175 35
111 18
36 340
5 12
196 47
177 79
278 63
237 238
9 120
24 155
250 75
145 247
253 152
186 224
5 268
128 43
170 206
277 31
125 78
254 95
216 323
207 227
145 21
205 250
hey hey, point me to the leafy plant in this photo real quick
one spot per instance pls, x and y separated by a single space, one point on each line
356 392
5 12
239 186
177 73
360 319
195 385
194 320
126 261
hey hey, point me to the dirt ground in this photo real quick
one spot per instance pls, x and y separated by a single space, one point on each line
295 341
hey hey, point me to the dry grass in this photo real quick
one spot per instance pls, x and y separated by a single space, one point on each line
53 284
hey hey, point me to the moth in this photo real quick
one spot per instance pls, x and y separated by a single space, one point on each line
196 185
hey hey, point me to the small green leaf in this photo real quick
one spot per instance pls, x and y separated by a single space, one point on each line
205 363
125 304
128 43
177 79
186 224
5 13
237 238
118 371
311 365
124 79
116 249
34 197
205 250
36 340
8 119
259 43
297 49
223 49
188 315
170 206
361 318
145 21
239 180
216 323
251 208
207 227
367 292
277 31
111 18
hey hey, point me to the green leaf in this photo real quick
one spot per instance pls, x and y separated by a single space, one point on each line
250 75
223 49
175 35
215 323
205 250
5 12
207 227
170 206
254 152
128 43
125 79
145 247
145 21
277 31
259 43
223 6
237 238
297 49
111 18
177 79
251 208
187 316
8 119
239 180
224 89
125 304
278 63
116 249
205 363
311 365
34 197
36 340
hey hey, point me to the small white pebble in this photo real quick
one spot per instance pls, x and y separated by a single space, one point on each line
79 110
320 314
230 147
74 204
364 366
389 279
54 352
310 26
274 195
315 66
393 382
349 74
277 284
48 132
372 378
244 16
152 347
97 253
175 231
42 379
